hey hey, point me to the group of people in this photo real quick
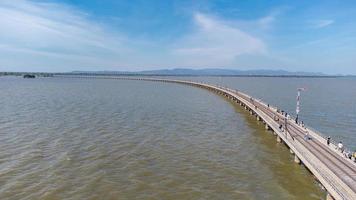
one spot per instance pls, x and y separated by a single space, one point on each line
340 147
285 114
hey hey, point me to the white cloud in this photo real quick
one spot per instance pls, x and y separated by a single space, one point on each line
321 23
215 43
46 31
38 36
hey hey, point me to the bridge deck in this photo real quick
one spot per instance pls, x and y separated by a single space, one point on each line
335 172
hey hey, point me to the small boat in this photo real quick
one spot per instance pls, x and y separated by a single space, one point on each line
29 76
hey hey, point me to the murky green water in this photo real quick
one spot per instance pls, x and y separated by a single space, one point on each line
112 139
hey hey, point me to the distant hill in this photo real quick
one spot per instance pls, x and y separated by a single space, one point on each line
205 72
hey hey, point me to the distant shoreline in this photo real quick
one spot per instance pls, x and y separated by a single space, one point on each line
194 75
45 74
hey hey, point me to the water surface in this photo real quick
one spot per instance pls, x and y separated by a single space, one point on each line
111 139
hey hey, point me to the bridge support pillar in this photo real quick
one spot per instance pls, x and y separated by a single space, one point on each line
329 197
279 139
267 127
258 118
296 159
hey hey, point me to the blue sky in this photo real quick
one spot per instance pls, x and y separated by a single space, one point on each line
67 35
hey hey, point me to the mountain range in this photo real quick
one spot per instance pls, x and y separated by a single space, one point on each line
204 72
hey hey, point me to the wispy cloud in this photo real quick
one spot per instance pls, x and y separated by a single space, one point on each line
321 23
268 21
52 36
57 37
215 43
265 22
47 31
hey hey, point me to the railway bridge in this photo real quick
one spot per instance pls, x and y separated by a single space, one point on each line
336 173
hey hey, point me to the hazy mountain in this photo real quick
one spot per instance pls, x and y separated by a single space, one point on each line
207 72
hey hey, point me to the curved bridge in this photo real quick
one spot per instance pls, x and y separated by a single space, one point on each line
336 173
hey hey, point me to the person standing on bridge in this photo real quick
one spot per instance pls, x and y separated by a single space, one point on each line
281 127
328 141
340 146
348 154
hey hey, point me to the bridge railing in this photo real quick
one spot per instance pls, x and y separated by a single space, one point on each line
315 133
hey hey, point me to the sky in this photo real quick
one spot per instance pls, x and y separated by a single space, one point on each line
133 35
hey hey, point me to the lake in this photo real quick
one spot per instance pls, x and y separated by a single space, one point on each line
66 138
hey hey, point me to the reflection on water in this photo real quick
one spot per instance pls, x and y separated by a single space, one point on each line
111 139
